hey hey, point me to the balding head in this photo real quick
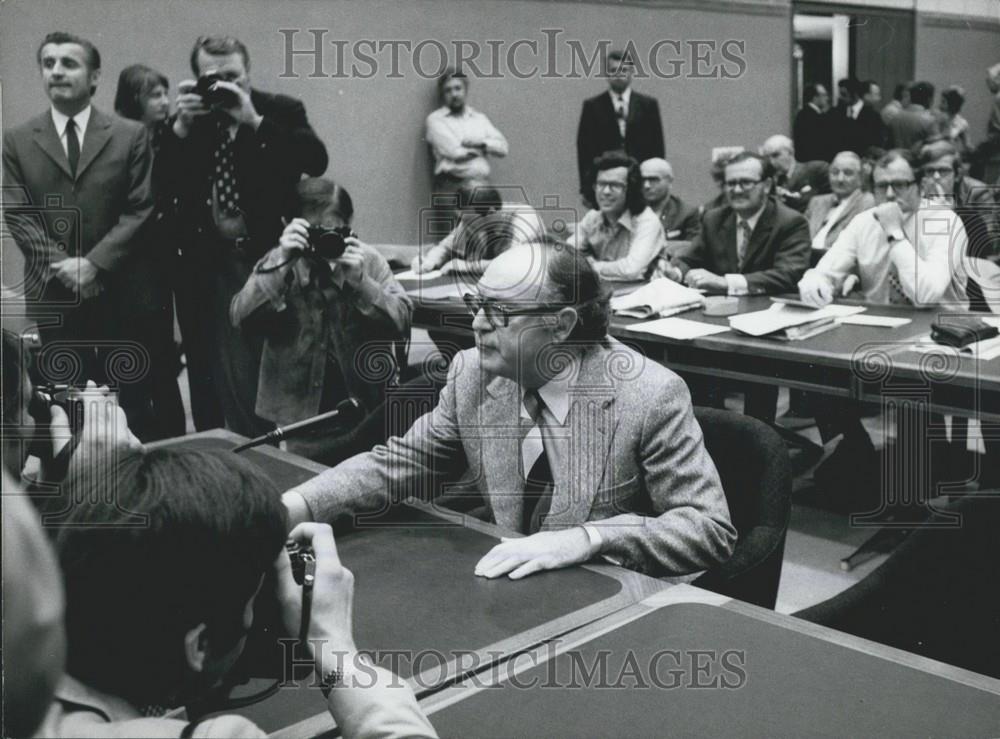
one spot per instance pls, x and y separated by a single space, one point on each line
780 151
845 174
657 177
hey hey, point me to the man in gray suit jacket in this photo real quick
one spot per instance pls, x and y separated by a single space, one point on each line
567 435
829 214
76 193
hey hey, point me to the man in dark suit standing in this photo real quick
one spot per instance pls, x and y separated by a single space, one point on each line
754 245
795 182
77 193
620 118
239 153
811 129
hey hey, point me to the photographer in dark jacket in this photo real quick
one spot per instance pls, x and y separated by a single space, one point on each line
238 153
332 320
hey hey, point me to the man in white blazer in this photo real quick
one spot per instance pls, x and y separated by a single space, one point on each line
568 436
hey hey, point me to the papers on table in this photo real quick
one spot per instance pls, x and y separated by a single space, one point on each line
661 297
878 321
781 316
679 328
414 276
448 291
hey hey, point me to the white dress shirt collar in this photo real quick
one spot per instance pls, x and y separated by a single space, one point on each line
624 97
555 392
81 120
752 220
856 109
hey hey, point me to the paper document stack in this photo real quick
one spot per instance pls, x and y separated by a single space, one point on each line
790 322
661 297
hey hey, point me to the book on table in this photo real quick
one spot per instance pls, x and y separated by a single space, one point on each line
659 298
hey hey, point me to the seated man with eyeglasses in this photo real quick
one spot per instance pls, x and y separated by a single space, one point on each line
622 236
571 438
904 251
753 245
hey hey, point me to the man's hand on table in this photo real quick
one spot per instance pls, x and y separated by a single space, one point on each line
702 279
815 289
546 550
422 264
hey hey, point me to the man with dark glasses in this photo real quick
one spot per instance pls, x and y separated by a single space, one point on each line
570 437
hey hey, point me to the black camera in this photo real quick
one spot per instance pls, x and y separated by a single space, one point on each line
328 243
49 394
214 96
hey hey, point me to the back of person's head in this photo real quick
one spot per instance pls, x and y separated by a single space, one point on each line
573 281
900 90
218 46
853 87
314 195
135 83
479 195
171 540
34 641
634 200
61 37
810 91
922 93
954 98
867 86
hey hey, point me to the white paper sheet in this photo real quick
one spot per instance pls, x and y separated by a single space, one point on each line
679 328
414 277
878 321
780 316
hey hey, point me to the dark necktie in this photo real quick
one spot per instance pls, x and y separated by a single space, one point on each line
538 481
226 191
72 146
743 241
621 114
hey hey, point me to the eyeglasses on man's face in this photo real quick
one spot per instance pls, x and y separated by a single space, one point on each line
896 185
498 315
612 185
931 171
743 184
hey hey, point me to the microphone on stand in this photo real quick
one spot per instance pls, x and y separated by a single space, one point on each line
345 411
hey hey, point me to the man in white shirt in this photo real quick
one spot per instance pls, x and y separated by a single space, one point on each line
904 250
828 215
461 138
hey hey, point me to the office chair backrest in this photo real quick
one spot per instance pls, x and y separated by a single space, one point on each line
937 595
756 476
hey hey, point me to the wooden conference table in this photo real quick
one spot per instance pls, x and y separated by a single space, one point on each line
416 597
858 362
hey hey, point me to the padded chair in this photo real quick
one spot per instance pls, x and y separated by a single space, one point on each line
756 476
938 594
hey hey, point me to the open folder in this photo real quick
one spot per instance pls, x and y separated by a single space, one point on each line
661 297
784 321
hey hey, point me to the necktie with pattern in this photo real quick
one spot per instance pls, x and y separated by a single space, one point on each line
743 234
896 294
72 146
224 178
538 480
621 114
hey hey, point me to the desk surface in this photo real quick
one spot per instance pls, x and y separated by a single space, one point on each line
761 674
850 361
418 606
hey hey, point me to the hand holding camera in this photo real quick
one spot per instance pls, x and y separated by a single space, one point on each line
313 551
336 246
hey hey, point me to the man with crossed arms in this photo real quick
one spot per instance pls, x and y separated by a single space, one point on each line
570 437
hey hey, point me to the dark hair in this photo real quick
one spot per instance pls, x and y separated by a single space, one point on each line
179 538
218 46
811 90
899 89
867 85
895 155
922 93
451 74
478 194
622 56
574 281
852 85
766 168
954 99
61 37
931 151
635 201
314 194
134 84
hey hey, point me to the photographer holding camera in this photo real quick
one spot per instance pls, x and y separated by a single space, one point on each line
157 615
237 154
328 308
